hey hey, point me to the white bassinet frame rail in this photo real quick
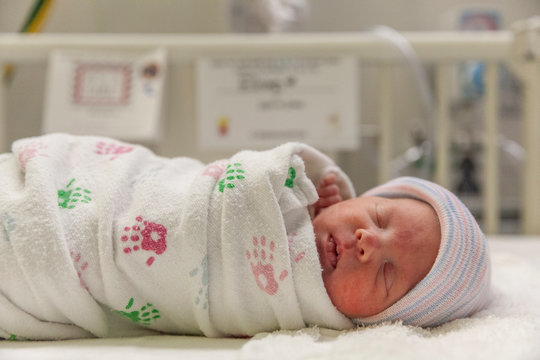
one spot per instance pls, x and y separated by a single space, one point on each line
443 49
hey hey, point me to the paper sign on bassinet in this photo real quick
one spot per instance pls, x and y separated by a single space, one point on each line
265 101
110 94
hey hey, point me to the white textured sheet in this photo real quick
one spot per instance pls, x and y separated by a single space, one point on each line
508 329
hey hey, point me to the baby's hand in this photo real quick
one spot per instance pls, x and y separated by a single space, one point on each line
328 193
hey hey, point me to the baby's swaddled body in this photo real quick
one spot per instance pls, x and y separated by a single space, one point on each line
102 238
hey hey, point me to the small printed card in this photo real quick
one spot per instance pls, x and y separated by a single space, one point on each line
261 102
107 94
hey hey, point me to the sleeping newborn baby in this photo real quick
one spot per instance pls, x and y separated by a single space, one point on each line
103 238
408 250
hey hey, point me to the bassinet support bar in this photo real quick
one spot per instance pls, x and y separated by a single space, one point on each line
442 49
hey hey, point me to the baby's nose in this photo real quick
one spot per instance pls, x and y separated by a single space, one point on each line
367 244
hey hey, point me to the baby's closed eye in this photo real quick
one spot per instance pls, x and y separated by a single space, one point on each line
380 216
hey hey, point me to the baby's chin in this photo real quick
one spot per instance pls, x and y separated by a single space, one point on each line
354 313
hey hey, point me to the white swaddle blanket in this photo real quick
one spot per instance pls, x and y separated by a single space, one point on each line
102 238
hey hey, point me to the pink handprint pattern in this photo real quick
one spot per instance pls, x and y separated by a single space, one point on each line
30 151
153 237
215 169
112 148
80 266
261 259
301 254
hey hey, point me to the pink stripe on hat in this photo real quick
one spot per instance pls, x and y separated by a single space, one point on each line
458 283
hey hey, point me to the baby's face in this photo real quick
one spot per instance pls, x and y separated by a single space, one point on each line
374 250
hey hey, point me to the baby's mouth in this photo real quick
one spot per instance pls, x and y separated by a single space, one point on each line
332 252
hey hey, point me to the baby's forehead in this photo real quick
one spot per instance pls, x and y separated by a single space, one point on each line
419 218
395 198
406 200
399 196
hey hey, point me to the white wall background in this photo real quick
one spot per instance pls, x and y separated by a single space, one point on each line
25 92
210 16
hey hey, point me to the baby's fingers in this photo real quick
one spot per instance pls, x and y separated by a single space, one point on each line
328 179
325 202
328 190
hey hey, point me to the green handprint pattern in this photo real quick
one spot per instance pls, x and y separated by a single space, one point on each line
289 182
69 197
232 172
145 315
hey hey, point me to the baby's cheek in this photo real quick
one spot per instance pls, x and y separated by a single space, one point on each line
342 294
331 288
404 238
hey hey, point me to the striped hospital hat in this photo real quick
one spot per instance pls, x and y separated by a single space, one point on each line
458 284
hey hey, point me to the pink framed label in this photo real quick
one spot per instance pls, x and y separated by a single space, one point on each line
102 84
